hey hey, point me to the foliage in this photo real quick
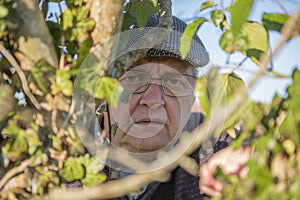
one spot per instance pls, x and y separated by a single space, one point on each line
40 148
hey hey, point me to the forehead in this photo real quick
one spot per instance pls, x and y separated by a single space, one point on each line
164 62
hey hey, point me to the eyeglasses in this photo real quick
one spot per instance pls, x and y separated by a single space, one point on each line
173 85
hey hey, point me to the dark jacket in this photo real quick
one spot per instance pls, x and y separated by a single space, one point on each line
182 185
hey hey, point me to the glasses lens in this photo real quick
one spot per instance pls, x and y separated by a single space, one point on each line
135 81
177 85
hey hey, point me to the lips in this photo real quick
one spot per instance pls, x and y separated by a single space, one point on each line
149 122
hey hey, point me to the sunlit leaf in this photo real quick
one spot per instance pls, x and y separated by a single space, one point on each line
92 179
76 145
91 164
290 127
289 146
258 39
188 35
80 13
93 170
63 83
16 146
3 11
216 90
232 83
218 17
207 4
72 170
87 24
202 94
239 13
252 40
42 178
110 89
67 19
274 21
78 2
230 43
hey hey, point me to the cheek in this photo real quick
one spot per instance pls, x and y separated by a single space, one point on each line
179 111
122 113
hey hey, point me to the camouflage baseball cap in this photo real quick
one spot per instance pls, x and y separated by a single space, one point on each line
197 56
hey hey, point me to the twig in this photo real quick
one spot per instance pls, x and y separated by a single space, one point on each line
61 66
54 115
21 75
282 7
14 171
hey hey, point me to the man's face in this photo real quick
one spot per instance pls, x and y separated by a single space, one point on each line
154 115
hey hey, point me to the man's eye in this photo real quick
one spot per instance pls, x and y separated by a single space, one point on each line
132 79
173 81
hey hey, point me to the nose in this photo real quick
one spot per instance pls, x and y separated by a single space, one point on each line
153 96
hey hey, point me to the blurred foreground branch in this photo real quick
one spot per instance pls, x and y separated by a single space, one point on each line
187 144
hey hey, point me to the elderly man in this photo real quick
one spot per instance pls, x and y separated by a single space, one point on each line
159 92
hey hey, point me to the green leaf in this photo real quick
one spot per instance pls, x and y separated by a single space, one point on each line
258 40
78 2
16 146
128 20
188 35
7 101
290 126
72 170
232 83
230 43
93 179
252 41
218 17
274 21
41 72
42 178
239 13
142 9
76 145
67 19
80 13
257 36
216 89
202 94
63 83
87 24
110 89
207 4
92 165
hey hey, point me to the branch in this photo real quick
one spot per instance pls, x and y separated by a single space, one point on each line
21 75
110 189
14 171
187 144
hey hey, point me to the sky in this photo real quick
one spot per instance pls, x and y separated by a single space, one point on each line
284 62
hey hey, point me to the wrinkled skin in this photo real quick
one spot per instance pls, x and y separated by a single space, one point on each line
151 120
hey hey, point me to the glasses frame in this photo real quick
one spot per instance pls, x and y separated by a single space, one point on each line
147 84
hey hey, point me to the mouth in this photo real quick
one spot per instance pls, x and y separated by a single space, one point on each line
149 122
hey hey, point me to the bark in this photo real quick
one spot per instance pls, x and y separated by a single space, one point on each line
34 39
